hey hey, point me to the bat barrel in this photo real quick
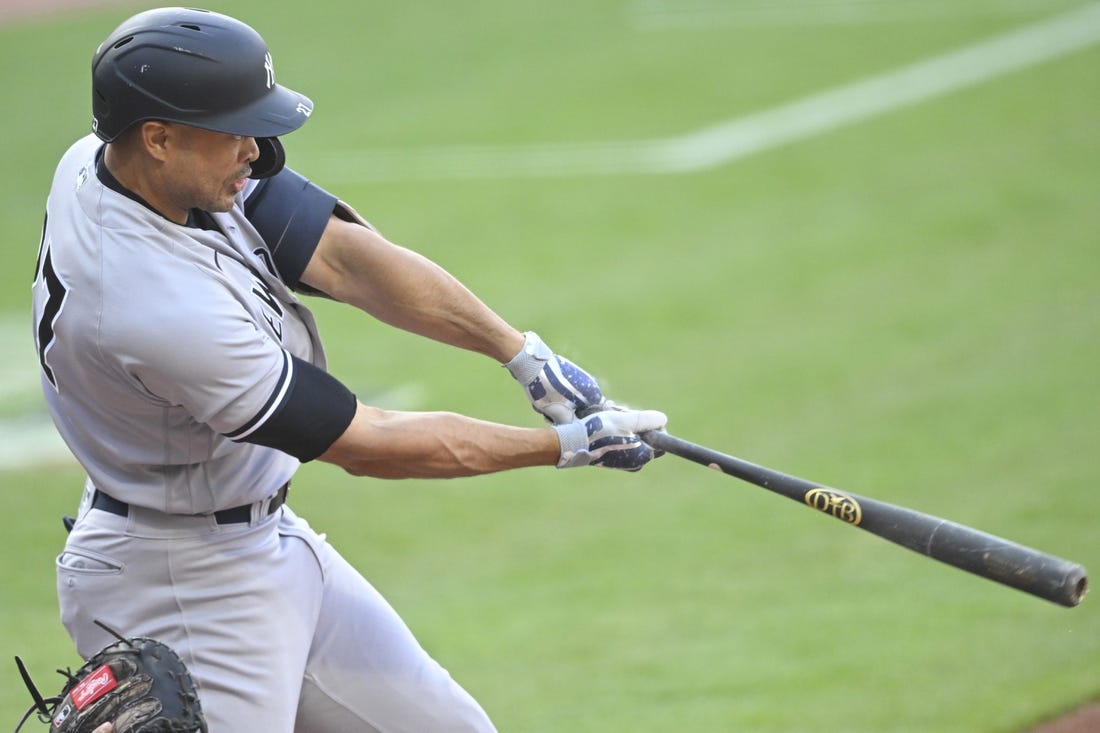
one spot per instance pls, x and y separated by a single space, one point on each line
1018 566
1032 571
1024 568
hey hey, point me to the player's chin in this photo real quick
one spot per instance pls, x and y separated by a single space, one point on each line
225 200
220 205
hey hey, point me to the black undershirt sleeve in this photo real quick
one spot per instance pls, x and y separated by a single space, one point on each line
316 410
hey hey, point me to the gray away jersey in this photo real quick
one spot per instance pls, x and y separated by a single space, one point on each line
164 347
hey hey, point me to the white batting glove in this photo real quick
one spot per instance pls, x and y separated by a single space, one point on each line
556 387
609 439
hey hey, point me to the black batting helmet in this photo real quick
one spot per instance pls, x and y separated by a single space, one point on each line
197 68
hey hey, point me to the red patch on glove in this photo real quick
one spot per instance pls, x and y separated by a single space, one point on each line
93 687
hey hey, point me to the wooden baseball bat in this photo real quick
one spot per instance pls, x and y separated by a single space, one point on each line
1046 576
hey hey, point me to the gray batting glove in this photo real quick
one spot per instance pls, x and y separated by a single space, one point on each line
609 439
556 387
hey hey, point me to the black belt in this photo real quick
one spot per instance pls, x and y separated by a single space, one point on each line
234 515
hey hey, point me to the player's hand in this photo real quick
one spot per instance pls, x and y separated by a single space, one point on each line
556 387
610 439
105 728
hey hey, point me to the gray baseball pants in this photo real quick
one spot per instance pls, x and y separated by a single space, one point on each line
281 634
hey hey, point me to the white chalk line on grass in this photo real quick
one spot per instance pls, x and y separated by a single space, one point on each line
723 143
30 440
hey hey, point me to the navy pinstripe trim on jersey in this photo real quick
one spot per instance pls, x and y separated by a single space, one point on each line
273 403
290 213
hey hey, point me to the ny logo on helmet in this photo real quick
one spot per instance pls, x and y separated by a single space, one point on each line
269 66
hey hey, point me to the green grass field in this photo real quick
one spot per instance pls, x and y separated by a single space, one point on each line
906 306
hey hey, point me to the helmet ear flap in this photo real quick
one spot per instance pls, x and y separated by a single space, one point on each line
271 160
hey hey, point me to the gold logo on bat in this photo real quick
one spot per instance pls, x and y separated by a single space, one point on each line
836 503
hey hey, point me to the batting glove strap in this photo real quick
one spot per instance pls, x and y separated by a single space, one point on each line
574 444
556 387
609 439
530 360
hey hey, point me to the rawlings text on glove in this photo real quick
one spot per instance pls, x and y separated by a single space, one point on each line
138 685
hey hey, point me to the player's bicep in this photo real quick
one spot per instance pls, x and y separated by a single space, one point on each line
348 249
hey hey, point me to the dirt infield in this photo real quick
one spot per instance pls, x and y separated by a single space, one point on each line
18 11
1083 720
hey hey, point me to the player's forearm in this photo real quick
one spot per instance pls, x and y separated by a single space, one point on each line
355 265
420 297
387 444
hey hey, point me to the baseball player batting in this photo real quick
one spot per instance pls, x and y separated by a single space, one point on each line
188 378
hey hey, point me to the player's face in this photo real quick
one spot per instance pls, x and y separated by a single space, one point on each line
208 169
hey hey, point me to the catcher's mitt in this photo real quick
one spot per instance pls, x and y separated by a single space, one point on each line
139 685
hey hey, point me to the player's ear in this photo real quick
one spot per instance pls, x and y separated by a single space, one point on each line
153 136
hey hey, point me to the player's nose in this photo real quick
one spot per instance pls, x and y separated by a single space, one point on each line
250 150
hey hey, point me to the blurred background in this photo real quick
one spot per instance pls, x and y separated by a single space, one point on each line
854 240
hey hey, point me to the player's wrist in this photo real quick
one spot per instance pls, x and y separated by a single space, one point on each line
530 360
573 441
